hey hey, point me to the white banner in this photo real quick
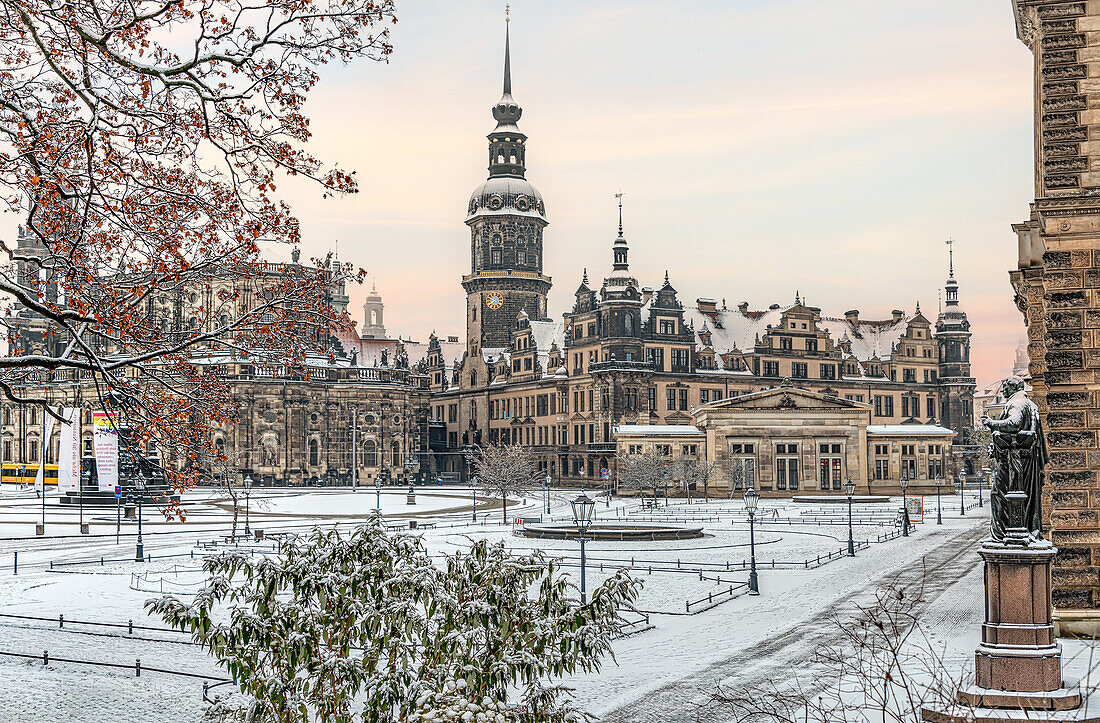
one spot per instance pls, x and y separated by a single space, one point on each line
40 477
105 444
68 452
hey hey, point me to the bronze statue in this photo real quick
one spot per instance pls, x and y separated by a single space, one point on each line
1019 453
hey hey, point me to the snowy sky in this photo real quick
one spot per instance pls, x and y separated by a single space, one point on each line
764 147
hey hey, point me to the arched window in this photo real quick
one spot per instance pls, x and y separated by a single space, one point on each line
395 456
370 454
219 444
314 453
374 317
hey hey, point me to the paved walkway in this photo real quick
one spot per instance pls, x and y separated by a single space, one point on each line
792 648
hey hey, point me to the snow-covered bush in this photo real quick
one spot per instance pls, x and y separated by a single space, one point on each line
363 627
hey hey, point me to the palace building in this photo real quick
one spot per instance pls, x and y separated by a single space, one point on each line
630 354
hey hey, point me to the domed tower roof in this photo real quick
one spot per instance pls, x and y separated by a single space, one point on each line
506 192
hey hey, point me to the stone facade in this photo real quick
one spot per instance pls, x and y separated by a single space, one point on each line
1057 285
291 428
790 442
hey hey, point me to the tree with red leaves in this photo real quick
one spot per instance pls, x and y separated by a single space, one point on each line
141 141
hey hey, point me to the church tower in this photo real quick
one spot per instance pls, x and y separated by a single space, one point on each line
506 216
953 338
373 325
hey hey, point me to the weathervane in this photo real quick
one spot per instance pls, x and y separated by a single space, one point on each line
951 257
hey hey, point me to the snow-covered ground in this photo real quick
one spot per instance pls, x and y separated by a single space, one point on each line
656 672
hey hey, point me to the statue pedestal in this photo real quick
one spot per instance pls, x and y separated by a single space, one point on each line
1018 665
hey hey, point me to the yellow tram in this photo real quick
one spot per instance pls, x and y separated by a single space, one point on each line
13 475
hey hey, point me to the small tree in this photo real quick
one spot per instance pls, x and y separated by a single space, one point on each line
696 472
505 469
643 471
368 620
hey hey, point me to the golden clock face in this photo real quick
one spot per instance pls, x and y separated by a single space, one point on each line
494 301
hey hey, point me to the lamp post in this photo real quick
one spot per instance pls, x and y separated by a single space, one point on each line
378 495
582 517
980 476
904 504
247 496
962 495
939 517
752 499
141 485
850 490
546 488
473 491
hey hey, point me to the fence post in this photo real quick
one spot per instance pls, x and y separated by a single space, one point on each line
15 565
130 629
101 560
51 564
60 621
45 657
137 668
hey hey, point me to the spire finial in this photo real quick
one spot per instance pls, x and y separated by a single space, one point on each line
666 277
797 297
507 52
950 258
619 196
918 307
584 280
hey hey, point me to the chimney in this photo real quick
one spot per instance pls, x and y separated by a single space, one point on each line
452 339
852 317
898 315
707 306
647 294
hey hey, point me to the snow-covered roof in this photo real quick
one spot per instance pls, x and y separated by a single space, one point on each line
662 430
869 339
910 430
730 328
544 334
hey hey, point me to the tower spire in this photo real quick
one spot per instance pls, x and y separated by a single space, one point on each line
619 196
619 249
507 51
951 288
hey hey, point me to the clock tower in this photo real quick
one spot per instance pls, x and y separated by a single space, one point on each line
506 216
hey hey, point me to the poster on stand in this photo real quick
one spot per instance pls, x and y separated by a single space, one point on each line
105 447
915 505
68 452
47 433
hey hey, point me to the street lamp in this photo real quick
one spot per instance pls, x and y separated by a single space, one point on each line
980 475
582 517
247 496
904 504
752 499
141 485
546 489
850 490
378 495
473 491
962 495
939 517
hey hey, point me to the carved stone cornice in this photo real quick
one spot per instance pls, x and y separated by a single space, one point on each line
1027 27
